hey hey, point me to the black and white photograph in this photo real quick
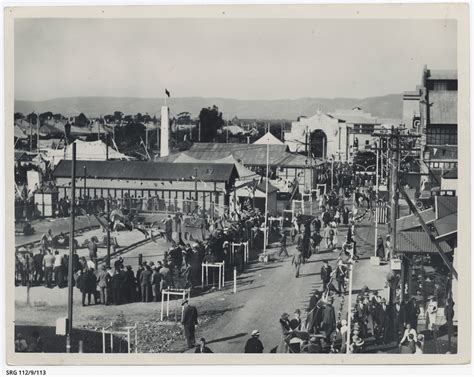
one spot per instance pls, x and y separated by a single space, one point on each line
225 184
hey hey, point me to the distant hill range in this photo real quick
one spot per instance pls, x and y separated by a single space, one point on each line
389 106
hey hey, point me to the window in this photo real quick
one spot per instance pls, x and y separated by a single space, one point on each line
442 134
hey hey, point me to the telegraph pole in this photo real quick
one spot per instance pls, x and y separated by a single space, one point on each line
85 181
71 249
394 156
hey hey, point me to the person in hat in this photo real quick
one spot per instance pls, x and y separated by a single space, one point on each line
328 322
380 252
412 312
102 282
431 312
314 345
189 322
297 260
382 322
356 344
295 323
253 344
202 348
325 274
283 250
406 335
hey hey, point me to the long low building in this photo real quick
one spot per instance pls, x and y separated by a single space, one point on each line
176 183
283 164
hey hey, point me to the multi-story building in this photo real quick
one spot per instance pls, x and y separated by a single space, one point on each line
438 124
341 134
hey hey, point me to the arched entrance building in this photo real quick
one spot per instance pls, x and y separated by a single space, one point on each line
327 136
318 144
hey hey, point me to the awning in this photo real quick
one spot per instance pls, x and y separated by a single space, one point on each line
446 226
411 221
418 243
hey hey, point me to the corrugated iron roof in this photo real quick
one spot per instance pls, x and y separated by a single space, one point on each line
149 170
418 243
411 221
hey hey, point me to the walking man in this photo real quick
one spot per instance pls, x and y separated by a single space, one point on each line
297 260
189 321
326 271
283 245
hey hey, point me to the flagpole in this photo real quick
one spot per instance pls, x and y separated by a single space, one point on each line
266 200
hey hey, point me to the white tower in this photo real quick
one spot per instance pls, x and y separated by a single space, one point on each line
165 132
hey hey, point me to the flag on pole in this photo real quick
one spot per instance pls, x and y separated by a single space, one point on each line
381 213
167 93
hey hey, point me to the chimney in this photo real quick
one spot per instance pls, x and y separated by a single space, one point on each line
165 134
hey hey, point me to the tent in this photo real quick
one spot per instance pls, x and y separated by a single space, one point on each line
18 133
268 138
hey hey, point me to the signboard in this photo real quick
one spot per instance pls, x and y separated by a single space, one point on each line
33 178
61 326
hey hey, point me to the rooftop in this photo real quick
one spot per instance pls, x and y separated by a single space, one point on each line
148 170
248 154
442 74
411 221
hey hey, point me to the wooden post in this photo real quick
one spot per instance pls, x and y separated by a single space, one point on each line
81 346
235 280
223 274
128 339
162 305
167 304
136 337
202 276
103 340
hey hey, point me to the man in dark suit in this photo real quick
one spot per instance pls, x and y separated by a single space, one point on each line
202 348
328 322
145 284
326 271
382 322
189 321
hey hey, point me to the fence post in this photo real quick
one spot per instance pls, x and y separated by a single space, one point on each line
235 280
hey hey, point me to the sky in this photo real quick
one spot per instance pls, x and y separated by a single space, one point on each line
237 58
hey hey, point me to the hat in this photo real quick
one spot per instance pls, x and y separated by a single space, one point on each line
285 315
255 333
185 302
297 311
